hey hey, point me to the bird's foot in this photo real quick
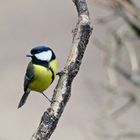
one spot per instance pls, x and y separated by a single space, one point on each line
50 100
60 73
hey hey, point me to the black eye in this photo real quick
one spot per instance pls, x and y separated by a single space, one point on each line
36 50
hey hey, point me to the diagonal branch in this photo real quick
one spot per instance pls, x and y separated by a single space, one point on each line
62 91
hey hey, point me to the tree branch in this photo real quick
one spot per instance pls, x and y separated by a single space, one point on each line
62 91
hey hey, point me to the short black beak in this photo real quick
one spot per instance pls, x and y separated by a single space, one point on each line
28 55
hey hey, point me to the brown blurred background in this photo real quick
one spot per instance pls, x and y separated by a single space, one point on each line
26 24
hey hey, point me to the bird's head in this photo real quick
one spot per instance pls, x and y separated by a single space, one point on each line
42 54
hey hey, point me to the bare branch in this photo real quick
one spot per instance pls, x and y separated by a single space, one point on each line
62 91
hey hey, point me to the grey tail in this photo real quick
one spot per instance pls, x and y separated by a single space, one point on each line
23 99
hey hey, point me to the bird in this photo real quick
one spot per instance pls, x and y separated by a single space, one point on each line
40 73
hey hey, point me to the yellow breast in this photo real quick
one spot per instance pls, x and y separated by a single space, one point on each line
43 77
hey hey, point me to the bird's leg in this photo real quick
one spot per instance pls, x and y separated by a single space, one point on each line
47 97
60 73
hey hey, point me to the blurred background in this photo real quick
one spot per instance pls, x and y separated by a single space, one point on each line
105 101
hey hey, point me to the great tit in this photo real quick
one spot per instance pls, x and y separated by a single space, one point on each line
40 72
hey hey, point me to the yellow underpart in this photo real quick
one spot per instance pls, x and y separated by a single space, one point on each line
42 77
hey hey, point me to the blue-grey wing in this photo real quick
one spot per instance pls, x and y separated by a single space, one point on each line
29 76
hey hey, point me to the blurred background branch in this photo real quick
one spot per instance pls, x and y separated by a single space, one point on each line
121 59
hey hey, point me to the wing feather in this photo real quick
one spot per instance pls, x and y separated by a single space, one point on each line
29 76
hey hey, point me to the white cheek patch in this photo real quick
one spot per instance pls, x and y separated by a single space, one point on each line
44 56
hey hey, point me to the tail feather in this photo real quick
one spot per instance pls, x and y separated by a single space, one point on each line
23 99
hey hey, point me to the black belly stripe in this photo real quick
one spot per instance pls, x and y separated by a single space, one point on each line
52 73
